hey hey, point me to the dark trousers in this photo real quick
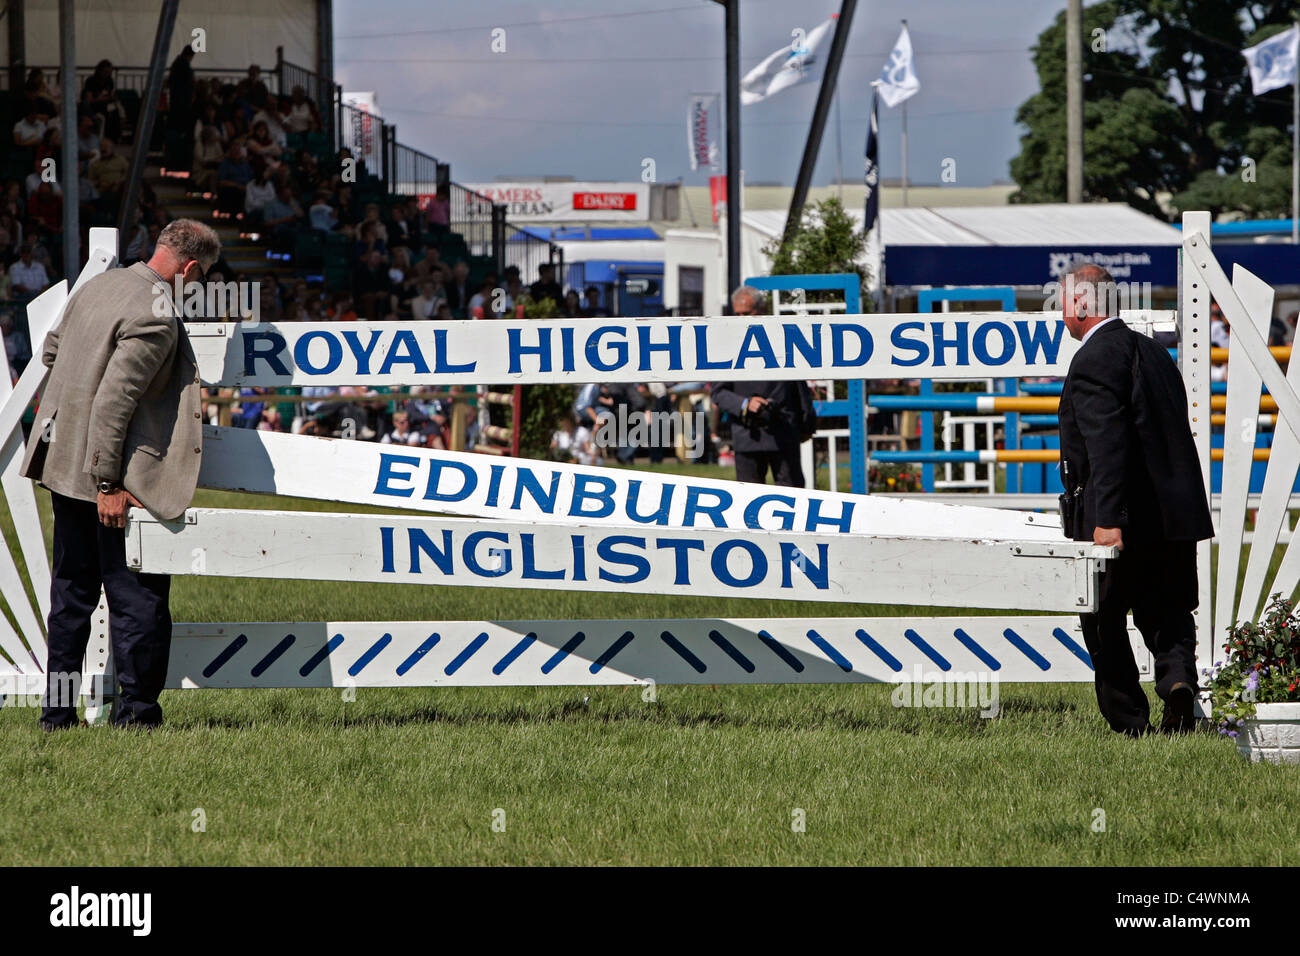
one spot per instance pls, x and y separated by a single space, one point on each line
1157 582
753 466
88 555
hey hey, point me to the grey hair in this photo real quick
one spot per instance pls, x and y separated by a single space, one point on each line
749 292
190 239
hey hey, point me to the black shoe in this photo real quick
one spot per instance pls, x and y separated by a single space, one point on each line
136 725
1180 713
50 727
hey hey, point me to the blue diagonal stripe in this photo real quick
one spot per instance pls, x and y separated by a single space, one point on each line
1073 647
969 643
613 649
419 652
1019 643
470 649
499 667
222 659
923 645
781 651
315 660
570 646
273 655
369 655
830 652
732 651
874 646
683 652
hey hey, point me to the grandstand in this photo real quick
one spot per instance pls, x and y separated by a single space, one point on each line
320 209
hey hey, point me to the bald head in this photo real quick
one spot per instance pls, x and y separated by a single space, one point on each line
1089 296
185 246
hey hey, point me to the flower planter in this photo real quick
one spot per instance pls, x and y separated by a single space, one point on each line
1273 734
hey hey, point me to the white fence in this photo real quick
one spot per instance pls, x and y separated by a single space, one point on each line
543 525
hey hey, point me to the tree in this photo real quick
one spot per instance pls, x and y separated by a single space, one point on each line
827 240
543 405
1167 104
1128 125
1254 174
1260 190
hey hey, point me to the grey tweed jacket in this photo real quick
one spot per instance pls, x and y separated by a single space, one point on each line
123 400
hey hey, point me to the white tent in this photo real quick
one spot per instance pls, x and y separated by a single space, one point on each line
1059 224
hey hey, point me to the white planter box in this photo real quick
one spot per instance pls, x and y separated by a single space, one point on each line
1273 734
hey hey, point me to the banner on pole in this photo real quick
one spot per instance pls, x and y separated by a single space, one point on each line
787 67
1272 64
898 80
702 130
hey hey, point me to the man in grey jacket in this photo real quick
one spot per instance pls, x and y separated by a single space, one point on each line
119 424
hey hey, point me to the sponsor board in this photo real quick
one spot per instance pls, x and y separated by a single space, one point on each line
698 563
465 484
513 351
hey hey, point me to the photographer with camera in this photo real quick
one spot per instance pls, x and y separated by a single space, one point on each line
770 420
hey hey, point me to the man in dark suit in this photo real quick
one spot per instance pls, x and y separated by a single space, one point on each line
1133 481
458 289
770 419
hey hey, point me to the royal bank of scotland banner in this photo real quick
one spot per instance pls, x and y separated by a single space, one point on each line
936 346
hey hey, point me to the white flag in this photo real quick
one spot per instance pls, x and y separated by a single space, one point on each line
788 66
701 130
1273 62
898 79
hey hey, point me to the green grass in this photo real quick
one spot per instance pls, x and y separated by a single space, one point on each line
704 775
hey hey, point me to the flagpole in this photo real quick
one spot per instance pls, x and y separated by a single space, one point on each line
839 146
904 152
905 142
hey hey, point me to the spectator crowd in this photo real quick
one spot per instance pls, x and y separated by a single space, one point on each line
263 163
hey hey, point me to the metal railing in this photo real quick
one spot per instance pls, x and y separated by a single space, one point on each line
414 173
136 78
473 216
529 252
363 135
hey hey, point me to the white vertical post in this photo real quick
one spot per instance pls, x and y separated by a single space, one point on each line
98 679
1194 340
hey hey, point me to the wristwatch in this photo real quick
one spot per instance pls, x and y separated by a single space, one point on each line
109 487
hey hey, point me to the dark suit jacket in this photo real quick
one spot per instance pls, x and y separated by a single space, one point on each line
787 418
457 296
1126 440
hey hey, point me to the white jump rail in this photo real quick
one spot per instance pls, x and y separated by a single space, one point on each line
865 549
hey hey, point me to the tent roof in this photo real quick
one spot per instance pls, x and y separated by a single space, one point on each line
587 233
613 250
1047 224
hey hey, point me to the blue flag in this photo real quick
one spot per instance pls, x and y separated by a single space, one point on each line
871 175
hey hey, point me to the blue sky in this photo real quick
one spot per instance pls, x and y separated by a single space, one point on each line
590 88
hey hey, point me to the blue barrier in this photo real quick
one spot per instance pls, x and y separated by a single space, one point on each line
925 302
854 406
